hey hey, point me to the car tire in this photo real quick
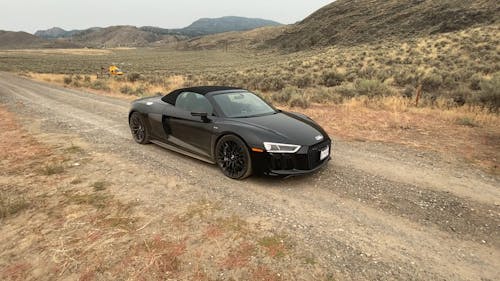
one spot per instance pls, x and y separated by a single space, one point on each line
233 157
139 128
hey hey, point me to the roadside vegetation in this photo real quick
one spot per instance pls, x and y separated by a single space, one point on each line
457 69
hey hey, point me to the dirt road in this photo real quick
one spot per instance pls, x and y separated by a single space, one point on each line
376 212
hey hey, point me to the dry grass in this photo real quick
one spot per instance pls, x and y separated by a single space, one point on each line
11 203
112 86
397 120
277 246
240 256
52 169
27 149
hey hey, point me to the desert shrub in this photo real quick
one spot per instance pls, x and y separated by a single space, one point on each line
404 78
325 95
120 78
299 100
320 95
157 80
11 204
300 70
284 95
303 81
383 74
86 79
76 84
475 82
408 92
351 76
370 88
451 80
336 98
466 121
367 72
272 83
68 79
346 91
140 90
460 96
432 82
490 93
78 77
332 78
100 85
133 77
127 90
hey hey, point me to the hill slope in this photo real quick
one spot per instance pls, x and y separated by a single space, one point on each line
359 21
18 40
23 40
114 36
131 36
208 26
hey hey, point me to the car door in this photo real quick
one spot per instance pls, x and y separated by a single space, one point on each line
189 132
157 108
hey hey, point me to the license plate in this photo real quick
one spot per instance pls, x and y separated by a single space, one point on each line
325 152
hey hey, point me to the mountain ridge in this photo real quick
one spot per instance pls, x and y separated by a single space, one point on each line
200 27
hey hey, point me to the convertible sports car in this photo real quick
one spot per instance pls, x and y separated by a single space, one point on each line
233 128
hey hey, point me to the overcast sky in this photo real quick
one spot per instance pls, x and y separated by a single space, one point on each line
31 15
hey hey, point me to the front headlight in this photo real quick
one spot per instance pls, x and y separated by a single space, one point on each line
281 147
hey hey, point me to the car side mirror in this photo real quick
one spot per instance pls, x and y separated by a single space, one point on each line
202 115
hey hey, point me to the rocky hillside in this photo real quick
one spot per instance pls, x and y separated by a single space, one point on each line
350 22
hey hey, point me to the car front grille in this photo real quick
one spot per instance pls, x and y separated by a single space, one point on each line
289 162
314 152
298 161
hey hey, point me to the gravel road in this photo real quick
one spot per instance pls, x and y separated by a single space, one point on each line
377 211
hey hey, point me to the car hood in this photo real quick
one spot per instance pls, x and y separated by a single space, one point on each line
289 128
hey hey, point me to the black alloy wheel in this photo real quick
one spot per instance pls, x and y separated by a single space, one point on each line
138 127
233 157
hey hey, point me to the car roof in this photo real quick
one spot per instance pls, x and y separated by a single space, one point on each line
202 90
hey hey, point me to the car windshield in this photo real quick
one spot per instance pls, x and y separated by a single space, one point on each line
242 104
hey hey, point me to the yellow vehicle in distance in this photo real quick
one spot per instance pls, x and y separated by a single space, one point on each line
113 70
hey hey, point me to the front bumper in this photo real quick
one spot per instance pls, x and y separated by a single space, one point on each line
295 172
306 160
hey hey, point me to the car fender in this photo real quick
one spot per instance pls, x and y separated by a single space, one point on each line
253 136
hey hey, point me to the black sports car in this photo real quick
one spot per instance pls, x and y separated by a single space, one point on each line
233 128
